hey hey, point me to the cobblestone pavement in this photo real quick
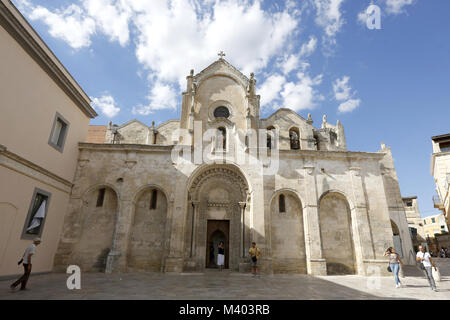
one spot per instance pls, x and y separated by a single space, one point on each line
227 286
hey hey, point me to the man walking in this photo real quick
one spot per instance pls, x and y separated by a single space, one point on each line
425 259
26 260
254 255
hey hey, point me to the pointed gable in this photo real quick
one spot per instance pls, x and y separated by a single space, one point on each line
221 67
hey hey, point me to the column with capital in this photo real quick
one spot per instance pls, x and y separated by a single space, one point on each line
242 244
315 263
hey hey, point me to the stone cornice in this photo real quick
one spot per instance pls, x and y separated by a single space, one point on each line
17 26
331 154
124 147
21 165
284 154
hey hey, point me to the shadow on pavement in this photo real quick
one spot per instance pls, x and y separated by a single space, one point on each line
209 286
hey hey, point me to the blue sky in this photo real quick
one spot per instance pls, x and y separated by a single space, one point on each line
313 56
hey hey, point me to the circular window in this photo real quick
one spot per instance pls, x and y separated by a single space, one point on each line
221 112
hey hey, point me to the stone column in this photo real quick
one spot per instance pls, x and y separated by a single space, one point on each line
174 261
362 233
116 260
170 202
194 224
315 263
242 245
259 219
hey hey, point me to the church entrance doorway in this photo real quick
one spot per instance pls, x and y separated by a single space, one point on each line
217 231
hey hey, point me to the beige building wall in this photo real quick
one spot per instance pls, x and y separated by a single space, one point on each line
434 225
440 170
15 201
34 88
30 100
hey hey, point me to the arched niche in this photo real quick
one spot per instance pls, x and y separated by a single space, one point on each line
287 234
96 227
336 234
146 243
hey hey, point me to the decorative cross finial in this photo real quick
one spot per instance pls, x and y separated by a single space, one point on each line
221 54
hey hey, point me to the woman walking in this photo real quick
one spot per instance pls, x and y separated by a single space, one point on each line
221 256
394 264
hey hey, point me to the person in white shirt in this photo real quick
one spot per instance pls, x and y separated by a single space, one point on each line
26 260
425 259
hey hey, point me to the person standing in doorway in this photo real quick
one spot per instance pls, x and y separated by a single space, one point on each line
427 263
221 256
26 260
254 255
394 264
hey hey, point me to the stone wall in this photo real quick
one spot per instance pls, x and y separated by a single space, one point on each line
147 236
287 235
336 234
88 231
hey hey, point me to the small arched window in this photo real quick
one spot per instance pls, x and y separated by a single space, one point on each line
101 197
221 139
294 138
270 135
153 199
281 203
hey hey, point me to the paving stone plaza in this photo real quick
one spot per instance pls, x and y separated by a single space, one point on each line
231 286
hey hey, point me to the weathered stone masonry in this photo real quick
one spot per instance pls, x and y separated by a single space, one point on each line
326 210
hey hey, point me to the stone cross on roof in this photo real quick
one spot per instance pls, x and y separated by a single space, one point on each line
221 54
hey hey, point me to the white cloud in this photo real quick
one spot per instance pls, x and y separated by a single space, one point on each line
342 89
111 17
173 36
162 96
302 95
289 63
271 88
309 47
349 105
71 25
397 6
362 17
329 16
343 92
106 105
292 62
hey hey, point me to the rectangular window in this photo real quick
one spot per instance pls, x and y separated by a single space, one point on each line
34 223
433 220
101 197
59 133
444 146
409 203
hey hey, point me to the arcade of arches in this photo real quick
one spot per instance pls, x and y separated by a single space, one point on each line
218 210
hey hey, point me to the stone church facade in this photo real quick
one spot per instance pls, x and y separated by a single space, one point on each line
323 210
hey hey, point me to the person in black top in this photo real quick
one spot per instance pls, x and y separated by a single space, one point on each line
221 256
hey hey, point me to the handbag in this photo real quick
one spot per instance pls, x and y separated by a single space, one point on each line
389 265
436 274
